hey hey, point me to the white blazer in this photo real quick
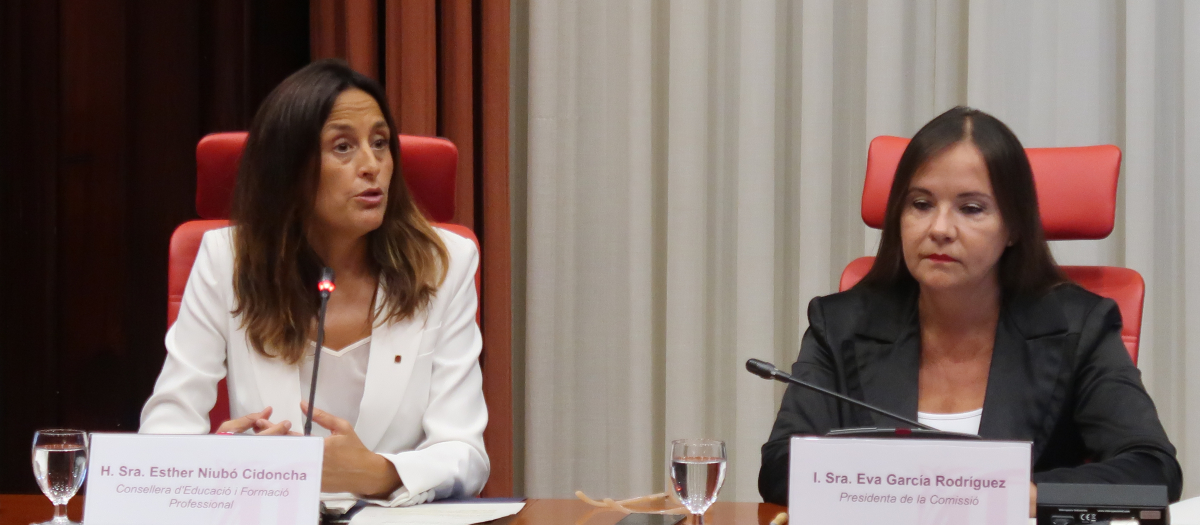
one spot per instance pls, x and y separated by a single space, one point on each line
422 405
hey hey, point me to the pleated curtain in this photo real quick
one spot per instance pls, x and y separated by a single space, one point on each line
687 174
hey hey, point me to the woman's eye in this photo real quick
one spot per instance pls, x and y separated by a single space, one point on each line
380 143
972 209
341 147
921 205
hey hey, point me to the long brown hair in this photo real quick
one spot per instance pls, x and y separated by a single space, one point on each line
275 268
1027 267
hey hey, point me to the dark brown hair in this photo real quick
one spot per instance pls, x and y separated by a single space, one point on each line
1026 268
275 268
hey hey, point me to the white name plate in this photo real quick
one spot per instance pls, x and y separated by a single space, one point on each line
183 480
909 481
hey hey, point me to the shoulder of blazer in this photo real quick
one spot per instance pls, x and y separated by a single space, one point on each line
464 256
216 246
883 315
1065 309
455 244
219 244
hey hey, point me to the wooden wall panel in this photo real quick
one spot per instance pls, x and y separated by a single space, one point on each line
410 65
347 29
29 156
101 107
165 43
91 202
495 236
223 103
456 103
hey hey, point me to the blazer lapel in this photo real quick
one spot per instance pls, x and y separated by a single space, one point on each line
887 358
394 350
1024 394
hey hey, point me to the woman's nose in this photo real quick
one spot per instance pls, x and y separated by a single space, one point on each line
942 229
369 163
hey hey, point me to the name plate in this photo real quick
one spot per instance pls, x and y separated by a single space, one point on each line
908 481
154 479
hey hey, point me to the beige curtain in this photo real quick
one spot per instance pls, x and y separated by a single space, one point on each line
687 177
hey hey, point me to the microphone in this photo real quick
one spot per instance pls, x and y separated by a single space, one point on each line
767 370
324 287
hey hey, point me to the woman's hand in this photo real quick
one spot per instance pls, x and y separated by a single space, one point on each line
349 466
1032 500
259 421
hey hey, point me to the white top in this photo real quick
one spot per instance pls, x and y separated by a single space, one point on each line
340 382
962 422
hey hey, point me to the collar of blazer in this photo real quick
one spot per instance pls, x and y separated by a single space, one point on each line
1027 382
386 381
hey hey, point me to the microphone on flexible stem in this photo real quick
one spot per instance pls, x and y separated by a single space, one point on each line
325 287
767 370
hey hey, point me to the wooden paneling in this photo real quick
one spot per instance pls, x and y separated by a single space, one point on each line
347 29
456 103
100 110
164 115
411 57
495 237
29 155
91 276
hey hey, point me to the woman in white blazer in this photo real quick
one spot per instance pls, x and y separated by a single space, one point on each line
399 390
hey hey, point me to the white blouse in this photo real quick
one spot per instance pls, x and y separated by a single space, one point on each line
341 381
962 422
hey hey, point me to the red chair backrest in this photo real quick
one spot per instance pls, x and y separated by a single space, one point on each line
1077 199
428 165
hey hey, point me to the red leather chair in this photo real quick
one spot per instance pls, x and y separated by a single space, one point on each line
1077 196
429 167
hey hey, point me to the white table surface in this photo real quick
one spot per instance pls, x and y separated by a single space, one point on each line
1186 512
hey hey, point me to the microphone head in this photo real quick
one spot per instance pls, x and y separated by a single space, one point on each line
761 368
325 285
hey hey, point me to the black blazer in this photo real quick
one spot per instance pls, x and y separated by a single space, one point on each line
1060 377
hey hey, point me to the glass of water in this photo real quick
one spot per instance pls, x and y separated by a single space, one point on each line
697 473
59 464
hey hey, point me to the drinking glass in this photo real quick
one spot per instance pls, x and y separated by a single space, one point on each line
59 464
697 473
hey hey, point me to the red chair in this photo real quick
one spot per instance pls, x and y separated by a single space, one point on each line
1077 196
428 164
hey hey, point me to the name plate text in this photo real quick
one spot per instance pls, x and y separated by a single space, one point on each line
153 479
909 481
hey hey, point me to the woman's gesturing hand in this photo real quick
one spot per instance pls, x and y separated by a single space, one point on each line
349 466
1032 500
259 421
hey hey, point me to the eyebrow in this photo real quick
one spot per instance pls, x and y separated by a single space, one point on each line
347 127
960 195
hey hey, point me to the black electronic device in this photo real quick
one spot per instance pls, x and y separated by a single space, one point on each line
1101 504
642 518
340 516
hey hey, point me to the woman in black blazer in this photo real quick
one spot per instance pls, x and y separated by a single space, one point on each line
965 309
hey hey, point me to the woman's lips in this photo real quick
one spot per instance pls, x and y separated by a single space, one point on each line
371 197
938 257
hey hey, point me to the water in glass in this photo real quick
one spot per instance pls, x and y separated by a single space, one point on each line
697 481
697 473
59 465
